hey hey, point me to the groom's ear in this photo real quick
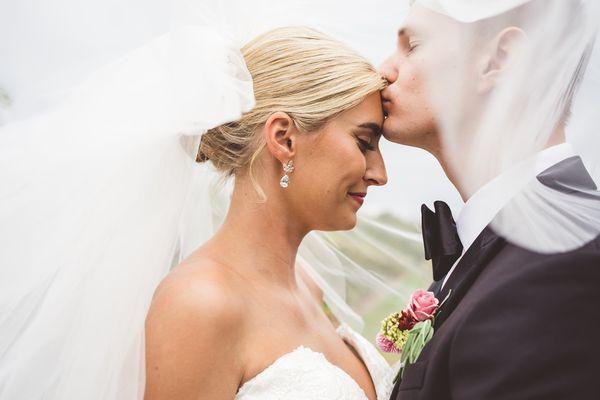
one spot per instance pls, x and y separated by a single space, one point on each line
280 136
497 56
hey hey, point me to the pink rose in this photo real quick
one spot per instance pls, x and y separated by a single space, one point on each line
423 305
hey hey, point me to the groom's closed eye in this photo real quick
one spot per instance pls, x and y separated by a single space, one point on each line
412 45
407 41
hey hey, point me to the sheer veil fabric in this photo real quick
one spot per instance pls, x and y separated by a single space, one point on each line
93 198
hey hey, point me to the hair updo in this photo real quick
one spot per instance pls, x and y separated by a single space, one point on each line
296 70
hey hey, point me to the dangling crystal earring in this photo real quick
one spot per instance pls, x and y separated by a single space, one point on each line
288 169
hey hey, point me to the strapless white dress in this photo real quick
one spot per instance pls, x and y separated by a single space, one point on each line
304 374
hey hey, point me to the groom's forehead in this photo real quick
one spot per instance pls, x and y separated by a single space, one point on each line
410 26
421 20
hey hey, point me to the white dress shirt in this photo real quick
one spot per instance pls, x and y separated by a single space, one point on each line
481 208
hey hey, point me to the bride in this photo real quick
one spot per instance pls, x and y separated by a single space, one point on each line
240 318
101 195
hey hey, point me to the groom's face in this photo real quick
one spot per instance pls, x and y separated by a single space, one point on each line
422 52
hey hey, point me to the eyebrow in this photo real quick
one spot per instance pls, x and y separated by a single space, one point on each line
373 127
405 31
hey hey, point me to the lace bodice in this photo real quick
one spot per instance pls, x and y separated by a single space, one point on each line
304 374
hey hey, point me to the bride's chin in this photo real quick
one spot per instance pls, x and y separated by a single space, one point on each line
342 223
349 223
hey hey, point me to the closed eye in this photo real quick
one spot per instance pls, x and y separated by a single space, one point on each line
412 46
364 146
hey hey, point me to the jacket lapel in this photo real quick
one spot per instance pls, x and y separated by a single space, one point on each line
477 257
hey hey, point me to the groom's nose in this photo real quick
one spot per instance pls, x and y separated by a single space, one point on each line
389 69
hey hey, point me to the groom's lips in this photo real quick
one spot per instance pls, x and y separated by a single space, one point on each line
384 97
358 197
385 105
386 112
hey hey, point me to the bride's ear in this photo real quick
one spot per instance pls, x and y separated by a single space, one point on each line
497 56
280 136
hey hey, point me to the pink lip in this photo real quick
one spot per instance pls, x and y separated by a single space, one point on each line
384 95
386 109
358 197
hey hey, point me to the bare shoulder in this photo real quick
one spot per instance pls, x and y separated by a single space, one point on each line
203 285
193 331
192 296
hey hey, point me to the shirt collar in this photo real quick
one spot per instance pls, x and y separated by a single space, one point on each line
481 208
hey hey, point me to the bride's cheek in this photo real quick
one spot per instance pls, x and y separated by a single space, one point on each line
356 165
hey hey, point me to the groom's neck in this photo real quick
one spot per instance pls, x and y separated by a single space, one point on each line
462 177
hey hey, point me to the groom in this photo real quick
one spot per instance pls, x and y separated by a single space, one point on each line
517 324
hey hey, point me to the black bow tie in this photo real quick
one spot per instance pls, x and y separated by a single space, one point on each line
442 244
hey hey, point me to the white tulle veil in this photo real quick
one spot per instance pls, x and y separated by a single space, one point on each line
93 194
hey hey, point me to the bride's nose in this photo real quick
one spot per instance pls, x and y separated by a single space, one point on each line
375 174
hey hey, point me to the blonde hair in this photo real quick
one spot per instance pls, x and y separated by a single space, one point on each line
296 70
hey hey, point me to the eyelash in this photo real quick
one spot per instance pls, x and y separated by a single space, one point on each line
365 146
412 46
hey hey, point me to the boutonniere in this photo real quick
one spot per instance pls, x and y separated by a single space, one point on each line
407 332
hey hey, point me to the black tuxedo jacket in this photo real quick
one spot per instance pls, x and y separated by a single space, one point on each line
518 324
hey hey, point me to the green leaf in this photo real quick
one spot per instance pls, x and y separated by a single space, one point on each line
418 337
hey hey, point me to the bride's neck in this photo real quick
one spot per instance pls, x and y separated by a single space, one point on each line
258 236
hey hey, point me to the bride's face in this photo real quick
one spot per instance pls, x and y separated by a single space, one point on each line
336 166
